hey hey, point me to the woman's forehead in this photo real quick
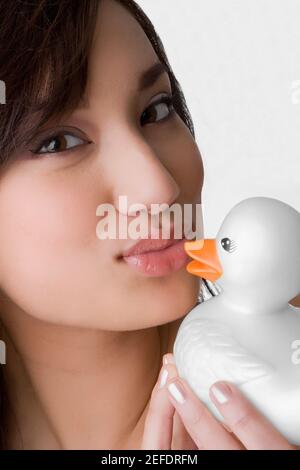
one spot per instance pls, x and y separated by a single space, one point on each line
120 45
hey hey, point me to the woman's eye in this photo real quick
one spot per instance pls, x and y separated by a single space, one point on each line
159 110
59 143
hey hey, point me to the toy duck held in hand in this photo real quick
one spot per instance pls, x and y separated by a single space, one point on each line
248 334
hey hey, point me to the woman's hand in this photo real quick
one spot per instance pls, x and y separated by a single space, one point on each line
244 427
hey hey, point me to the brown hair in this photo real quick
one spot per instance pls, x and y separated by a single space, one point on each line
44 50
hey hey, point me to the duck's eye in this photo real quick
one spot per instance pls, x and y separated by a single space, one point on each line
228 244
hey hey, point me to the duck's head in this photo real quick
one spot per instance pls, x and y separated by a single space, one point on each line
256 251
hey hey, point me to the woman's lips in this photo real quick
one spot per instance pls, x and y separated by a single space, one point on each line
157 257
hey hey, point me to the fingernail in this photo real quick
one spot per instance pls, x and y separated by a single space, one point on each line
177 391
163 378
168 359
221 392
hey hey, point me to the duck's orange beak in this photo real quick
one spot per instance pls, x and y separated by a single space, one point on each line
206 262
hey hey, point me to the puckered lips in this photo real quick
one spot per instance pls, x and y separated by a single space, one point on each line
156 257
206 263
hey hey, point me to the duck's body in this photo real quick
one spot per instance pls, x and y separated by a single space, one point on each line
247 337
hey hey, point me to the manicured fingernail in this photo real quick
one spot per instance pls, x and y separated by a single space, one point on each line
221 392
163 378
168 359
177 391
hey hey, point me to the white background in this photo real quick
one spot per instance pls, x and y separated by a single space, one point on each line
236 61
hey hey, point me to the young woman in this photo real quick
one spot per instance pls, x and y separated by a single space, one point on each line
89 116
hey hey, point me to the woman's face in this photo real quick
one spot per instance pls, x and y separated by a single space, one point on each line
53 265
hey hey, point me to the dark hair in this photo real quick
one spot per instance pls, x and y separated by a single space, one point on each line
44 50
43 62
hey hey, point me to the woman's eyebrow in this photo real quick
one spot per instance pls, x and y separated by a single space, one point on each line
147 79
151 75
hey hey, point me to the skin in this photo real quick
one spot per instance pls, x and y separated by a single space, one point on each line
243 427
83 331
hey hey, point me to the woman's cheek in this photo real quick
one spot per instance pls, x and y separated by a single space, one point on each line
48 244
189 163
181 156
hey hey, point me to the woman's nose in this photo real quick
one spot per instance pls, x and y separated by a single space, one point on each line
142 177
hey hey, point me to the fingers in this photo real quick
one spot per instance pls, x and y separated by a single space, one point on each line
181 438
159 420
204 429
251 428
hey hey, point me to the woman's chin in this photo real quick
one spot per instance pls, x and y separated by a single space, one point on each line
171 300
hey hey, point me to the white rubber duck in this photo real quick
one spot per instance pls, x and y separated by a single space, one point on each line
249 333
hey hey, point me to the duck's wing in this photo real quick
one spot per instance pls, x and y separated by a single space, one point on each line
206 351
